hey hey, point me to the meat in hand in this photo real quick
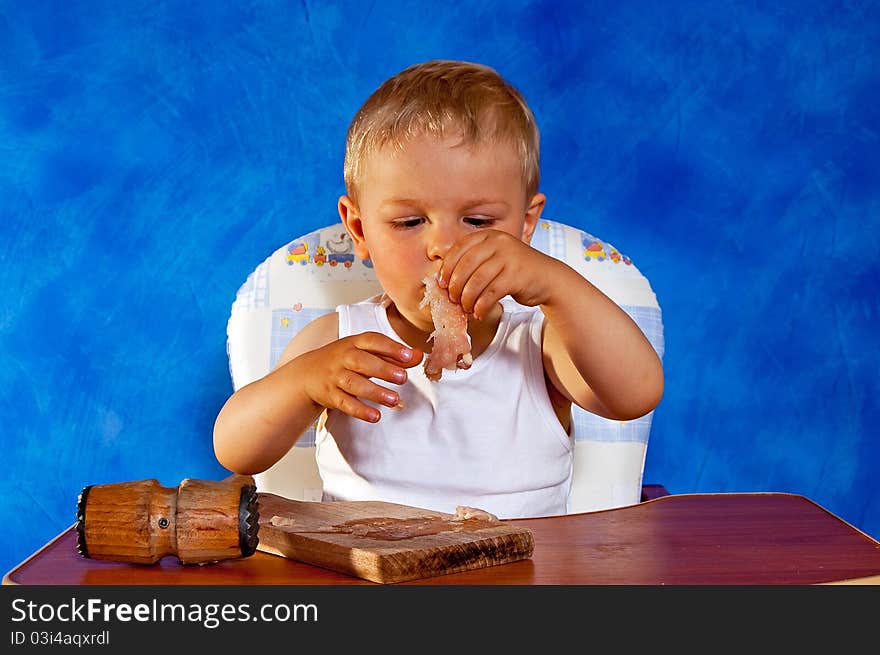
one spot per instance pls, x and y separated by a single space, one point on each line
451 343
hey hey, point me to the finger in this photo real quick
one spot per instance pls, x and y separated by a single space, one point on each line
369 365
417 357
348 404
468 263
478 280
362 388
483 290
387 348
452 256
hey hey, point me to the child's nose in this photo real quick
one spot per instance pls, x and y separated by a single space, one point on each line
440 240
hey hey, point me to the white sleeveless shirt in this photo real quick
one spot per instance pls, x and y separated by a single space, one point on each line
485 437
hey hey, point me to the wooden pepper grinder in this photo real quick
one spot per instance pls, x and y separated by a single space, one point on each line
198 521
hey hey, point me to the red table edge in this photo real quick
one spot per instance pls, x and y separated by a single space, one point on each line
869 580
7 578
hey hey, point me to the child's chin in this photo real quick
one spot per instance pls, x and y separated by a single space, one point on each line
418 316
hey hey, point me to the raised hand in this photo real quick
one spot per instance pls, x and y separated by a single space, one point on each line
338 374
484 266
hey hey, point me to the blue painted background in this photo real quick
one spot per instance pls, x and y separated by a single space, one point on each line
153 152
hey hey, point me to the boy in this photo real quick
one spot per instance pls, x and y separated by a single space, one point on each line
441 174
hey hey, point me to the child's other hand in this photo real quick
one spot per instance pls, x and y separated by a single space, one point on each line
483 267
338 374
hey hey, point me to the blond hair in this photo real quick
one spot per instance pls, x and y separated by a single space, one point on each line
434 97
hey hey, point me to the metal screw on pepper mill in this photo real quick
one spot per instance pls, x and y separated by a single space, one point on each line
199 521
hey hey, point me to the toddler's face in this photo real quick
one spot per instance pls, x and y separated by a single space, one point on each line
414 204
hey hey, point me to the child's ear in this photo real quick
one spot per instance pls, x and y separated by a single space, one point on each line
533 214
350 216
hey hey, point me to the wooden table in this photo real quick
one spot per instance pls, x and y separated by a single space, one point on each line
690 539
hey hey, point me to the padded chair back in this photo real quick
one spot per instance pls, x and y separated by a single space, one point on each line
314 273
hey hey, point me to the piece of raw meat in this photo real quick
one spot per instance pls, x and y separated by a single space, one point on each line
465 513
451 343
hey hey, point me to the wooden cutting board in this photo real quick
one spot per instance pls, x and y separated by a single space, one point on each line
386 542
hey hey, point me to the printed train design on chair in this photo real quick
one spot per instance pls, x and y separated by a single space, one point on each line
337 250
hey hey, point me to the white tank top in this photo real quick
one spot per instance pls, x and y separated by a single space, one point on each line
485 437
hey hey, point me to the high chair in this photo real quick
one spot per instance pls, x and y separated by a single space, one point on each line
314 273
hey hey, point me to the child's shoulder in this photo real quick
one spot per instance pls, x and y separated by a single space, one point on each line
325 325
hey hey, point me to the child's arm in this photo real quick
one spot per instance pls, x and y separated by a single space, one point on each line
262 420
594 353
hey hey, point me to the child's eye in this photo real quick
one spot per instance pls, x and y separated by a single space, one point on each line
407 223
479 221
